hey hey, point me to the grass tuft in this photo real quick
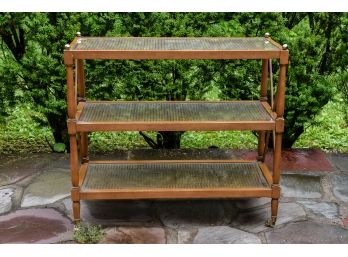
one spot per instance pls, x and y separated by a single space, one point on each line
88 234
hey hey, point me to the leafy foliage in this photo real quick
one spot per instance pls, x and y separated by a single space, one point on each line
39 72
312 65
32 69
328 131
22 133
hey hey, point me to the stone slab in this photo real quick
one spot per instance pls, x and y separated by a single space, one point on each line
171 236
6 199
181 154
115 213
340 160
134 235
21 167
323 209
224 235
339 186
345 223
300 186
59 161
191 213
35 226
186 236
294 159
308 232
47 188
254 220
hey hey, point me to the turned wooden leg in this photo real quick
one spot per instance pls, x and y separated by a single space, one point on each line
276 177
76 211
75 197
74 166
274 213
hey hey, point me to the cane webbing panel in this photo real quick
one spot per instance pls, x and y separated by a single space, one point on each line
174 176
173 44
173 111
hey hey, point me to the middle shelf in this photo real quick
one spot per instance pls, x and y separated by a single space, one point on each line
174 115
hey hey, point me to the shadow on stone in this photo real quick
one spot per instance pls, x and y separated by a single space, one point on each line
193 213
113 213
254 220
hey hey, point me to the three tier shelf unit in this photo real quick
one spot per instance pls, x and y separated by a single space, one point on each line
164 179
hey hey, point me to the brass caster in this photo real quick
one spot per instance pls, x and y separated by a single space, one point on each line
271 222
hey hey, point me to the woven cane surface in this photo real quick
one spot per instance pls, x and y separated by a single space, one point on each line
172 44
173 111
174 175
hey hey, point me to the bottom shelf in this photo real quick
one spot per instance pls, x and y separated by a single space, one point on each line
174 179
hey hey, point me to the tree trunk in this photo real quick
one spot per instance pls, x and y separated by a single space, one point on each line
169 139
59 128
290 139
164 139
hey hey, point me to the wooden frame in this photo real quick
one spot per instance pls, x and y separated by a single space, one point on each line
78 129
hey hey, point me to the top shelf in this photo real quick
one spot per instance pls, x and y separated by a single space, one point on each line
174 48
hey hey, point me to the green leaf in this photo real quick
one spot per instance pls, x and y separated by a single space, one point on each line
59 147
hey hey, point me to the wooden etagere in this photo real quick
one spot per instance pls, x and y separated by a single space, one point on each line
164 179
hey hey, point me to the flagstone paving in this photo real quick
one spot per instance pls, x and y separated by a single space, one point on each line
47 188
301 186
340 188
6 200
35 226
339 160
296 160
35 205
224 235
137 235
308 232
323 209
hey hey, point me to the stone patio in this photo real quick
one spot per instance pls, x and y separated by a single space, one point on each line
35 206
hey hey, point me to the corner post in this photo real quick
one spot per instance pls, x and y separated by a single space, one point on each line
71 105
81 97
263 98
279 108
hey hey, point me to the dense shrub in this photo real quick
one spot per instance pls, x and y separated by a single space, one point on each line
31 63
